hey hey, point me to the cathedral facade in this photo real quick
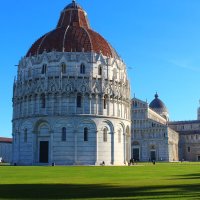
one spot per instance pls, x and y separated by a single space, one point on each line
155 137
152 138
71 98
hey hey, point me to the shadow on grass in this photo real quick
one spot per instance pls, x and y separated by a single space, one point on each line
189 176
70 191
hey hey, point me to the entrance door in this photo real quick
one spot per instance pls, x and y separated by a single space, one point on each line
136 154
153 155
44 151
198 158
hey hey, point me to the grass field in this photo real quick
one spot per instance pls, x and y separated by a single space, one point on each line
143 181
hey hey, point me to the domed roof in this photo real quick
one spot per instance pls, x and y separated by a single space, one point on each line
157 104
72 34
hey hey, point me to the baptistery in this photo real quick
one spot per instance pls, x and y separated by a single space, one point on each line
71 98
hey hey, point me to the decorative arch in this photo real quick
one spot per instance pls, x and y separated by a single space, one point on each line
83 89
26 124
69 88
87 122
86 130
108 124
152 147
123 127
135 143
42 123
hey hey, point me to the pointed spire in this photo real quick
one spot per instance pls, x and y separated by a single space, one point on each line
156 95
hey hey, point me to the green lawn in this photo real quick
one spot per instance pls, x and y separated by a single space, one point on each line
144 181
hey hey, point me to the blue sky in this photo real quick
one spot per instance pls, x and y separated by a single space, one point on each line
159 40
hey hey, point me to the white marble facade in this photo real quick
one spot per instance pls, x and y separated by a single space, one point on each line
152 138
78 103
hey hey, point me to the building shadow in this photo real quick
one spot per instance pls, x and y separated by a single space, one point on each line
188 176
88 191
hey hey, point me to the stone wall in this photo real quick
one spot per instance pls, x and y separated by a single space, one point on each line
6 152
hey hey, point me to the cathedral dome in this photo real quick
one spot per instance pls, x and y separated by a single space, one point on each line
158 106
72 34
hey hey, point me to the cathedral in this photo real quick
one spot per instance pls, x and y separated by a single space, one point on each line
71 98
155 137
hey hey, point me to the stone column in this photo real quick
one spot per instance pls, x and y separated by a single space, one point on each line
96 104
60 104
75 103
68 97
31 105
124 148
51 148
75 147
121 108
18 156
102 105
90 99
113 106
38 104
52 102
108 108
118 107
97 148
112 148
22 107
27 106
83 104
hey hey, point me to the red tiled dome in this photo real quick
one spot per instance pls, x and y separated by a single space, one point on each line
72 34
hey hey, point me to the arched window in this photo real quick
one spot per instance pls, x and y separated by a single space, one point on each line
29 72
43 101
64 134
44 69
135 104
63 68
85 134
105 102
114 73
105 134
25 135
119 136
82 69
79 100
100 70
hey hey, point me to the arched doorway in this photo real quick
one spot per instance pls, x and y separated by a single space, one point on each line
136 151
42 148
153 153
